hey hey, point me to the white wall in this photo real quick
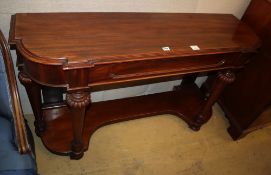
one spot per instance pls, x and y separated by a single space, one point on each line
9 7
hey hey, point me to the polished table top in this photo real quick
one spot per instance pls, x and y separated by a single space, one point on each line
103 37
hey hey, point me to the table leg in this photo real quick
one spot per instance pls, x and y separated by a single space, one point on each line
188 79
34 94
221 80
78 101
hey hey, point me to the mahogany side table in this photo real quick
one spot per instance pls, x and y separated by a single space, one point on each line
74 54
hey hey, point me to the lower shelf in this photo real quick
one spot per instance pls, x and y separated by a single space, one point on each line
184 103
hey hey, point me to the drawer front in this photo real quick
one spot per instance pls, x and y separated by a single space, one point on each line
166 66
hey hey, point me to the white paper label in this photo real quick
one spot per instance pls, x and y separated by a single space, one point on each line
195 47
166 48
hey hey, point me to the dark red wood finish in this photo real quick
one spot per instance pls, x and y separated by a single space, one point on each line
250 95
83 52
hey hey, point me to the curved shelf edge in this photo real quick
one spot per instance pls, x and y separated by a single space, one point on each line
184 103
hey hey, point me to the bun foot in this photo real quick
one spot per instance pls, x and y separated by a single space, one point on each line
76 156
194 127
77 150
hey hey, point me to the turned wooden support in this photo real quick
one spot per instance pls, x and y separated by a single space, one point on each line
34 94
188 79
78 101
221 80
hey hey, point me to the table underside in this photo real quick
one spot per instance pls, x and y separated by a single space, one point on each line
185 103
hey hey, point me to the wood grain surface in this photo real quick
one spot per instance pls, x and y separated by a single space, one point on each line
96 37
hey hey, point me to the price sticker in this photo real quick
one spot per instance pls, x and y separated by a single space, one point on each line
166 49
194 47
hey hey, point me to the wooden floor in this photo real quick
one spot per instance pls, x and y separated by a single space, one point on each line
164 145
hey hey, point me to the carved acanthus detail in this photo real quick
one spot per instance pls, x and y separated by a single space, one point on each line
78 99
